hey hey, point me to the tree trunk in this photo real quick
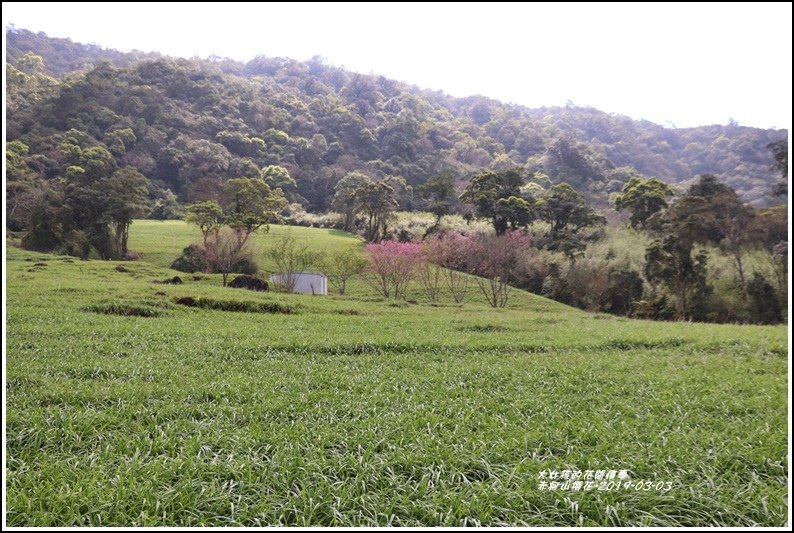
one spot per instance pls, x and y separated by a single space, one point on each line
737 255
125 233
500 226
682 303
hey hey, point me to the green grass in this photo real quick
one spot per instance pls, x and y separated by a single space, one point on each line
356 410
159 242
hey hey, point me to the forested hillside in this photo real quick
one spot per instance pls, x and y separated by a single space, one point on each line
189 125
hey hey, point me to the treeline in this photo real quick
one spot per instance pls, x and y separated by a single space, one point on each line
189 125
550 229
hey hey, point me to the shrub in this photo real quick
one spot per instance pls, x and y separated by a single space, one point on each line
121 309
655 307
249 282
764 306
625 287
191 260
196 258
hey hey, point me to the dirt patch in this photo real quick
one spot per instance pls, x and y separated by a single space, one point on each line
348 312
122 309
249 283
122 268
484 328
236 306
631 344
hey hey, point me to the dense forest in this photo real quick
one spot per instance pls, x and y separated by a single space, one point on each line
99 137
184 123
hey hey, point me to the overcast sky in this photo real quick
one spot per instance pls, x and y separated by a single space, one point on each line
682 64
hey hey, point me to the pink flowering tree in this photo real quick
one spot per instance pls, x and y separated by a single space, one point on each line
494 259
392 265
447 256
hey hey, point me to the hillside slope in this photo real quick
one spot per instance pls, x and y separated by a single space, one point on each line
194 123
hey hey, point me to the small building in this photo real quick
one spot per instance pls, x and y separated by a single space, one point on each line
302 282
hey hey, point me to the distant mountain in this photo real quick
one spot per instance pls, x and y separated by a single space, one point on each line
190 124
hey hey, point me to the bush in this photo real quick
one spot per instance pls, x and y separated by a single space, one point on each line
655 307
296 216
763 304
625 287
531 271
250 283
192 260
244 265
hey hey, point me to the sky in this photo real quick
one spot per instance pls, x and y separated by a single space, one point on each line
674 64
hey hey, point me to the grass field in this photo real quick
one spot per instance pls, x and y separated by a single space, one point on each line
126 408
161 241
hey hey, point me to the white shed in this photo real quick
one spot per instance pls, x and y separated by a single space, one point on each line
302 282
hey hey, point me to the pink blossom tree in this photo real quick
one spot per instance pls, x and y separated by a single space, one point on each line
392 265
493 260
450 251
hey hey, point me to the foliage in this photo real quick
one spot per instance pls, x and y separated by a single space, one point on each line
643 198
192 259
188 123
625 288
764 305
669 262
378 200
251 205
770 232
128 198
565 209
497 196
207 215
438 194
345 200
166 206
779 150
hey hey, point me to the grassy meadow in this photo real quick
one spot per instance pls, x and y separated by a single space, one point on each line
126 408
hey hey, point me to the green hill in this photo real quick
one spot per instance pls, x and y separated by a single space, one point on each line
188 124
